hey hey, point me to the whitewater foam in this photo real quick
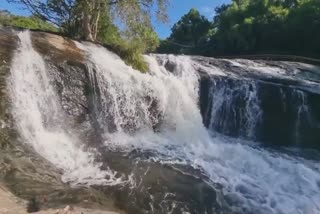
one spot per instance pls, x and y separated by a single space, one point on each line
254 179
40 119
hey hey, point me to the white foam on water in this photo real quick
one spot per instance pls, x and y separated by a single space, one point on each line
40 119
260 180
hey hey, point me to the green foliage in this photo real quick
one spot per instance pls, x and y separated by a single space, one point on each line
108 33
27 22
304 24
188 33
254 27
129 47
95 21
250 26
130 53
144 38
138 36
190 28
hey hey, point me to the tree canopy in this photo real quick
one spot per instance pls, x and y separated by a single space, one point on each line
191 28
256 26
188 33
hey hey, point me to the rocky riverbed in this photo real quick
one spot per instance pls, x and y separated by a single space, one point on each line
10 204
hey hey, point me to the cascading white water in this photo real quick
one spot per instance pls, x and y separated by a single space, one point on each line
302 112
237 104
259 180
40 119
124 92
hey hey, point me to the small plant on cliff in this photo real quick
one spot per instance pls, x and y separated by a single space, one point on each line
131 44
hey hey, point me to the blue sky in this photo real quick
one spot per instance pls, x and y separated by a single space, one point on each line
177 9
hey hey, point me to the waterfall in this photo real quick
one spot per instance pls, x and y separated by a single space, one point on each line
302 113
235 107
131 100
40 119
159 112
254 179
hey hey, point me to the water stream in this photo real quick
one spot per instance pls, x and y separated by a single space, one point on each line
40 119
158 111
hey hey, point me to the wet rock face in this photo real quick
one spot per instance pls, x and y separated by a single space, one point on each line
8 45
276 109
22 170
274 102
230 106
66 64
290 116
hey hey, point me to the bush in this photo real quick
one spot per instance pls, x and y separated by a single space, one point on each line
30 22
130 50
129 53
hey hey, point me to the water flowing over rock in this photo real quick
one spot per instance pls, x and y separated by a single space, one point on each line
179 139
272 102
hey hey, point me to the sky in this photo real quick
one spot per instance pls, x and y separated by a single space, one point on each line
177 9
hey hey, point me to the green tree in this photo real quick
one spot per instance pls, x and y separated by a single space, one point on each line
266 26
251 27
304 26
190 28
84 16
98 20
262 26
188 33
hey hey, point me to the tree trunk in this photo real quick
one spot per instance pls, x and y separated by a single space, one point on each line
87 27
95 26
